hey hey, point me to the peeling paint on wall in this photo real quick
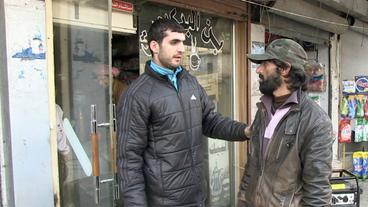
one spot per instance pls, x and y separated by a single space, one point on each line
34 49
26 55
28 102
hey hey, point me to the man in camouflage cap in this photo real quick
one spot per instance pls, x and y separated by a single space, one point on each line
291 143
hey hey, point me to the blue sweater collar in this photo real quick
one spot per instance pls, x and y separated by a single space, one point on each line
170 74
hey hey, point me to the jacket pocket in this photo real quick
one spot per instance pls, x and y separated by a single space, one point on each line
153 176
287 143
283 199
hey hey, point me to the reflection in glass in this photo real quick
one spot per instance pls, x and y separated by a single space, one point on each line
82 80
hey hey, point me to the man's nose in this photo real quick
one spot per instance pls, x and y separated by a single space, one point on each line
181 47
259 69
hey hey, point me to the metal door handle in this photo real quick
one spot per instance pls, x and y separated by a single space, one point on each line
95 154
113 155
105 124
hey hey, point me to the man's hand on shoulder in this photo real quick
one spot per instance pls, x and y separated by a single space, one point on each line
248 131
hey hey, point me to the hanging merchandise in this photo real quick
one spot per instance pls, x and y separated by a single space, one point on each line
344 131
361 84
344 107
359 106
358 163
348 87
364 165
366 108
365 131
351 107
316 74
359 130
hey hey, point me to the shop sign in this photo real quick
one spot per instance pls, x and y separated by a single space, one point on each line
122 5
361 83
200 31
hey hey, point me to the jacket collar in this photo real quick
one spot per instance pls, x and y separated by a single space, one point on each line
153 74
300 98
171 75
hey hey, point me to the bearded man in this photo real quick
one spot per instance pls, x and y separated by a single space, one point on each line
291 142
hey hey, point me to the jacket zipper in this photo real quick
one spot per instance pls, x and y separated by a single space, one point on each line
261 157
180 77
186 126
264 157
278 125
184 115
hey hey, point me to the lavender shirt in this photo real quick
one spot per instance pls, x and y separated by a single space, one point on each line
273 119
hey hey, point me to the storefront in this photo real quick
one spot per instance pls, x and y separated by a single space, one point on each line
353 109
59 52
91 72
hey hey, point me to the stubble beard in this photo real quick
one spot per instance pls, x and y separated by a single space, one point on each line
167 63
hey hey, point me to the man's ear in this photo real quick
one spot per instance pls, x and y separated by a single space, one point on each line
285 71
154 46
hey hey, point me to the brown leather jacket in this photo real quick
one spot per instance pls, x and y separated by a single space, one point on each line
296 167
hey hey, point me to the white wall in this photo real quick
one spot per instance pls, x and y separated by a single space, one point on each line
257 37
28 102
354 55
334 90
5 172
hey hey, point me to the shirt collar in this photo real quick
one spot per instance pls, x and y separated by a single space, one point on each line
267 100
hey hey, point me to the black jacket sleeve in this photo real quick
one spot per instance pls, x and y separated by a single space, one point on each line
316 157
217 126
132 140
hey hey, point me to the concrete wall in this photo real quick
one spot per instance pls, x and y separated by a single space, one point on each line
334 86
5 171
257 46
28 102
354 58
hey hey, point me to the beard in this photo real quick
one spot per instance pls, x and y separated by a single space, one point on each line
168 62
268 86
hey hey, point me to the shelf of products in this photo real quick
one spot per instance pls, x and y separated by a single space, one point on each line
353 124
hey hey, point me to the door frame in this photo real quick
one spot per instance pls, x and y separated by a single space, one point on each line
52 94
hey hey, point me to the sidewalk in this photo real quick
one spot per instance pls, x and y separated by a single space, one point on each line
364 196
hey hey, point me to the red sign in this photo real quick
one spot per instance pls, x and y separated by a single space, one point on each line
122 5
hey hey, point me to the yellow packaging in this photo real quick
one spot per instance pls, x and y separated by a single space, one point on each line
358 164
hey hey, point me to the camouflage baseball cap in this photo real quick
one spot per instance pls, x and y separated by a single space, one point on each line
285 50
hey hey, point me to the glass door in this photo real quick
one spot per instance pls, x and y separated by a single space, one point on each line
85 113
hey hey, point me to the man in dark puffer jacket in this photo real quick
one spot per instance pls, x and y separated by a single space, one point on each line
161 119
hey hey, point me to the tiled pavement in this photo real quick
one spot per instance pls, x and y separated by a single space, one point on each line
364 196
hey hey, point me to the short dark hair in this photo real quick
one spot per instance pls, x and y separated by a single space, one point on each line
297 77
158 28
